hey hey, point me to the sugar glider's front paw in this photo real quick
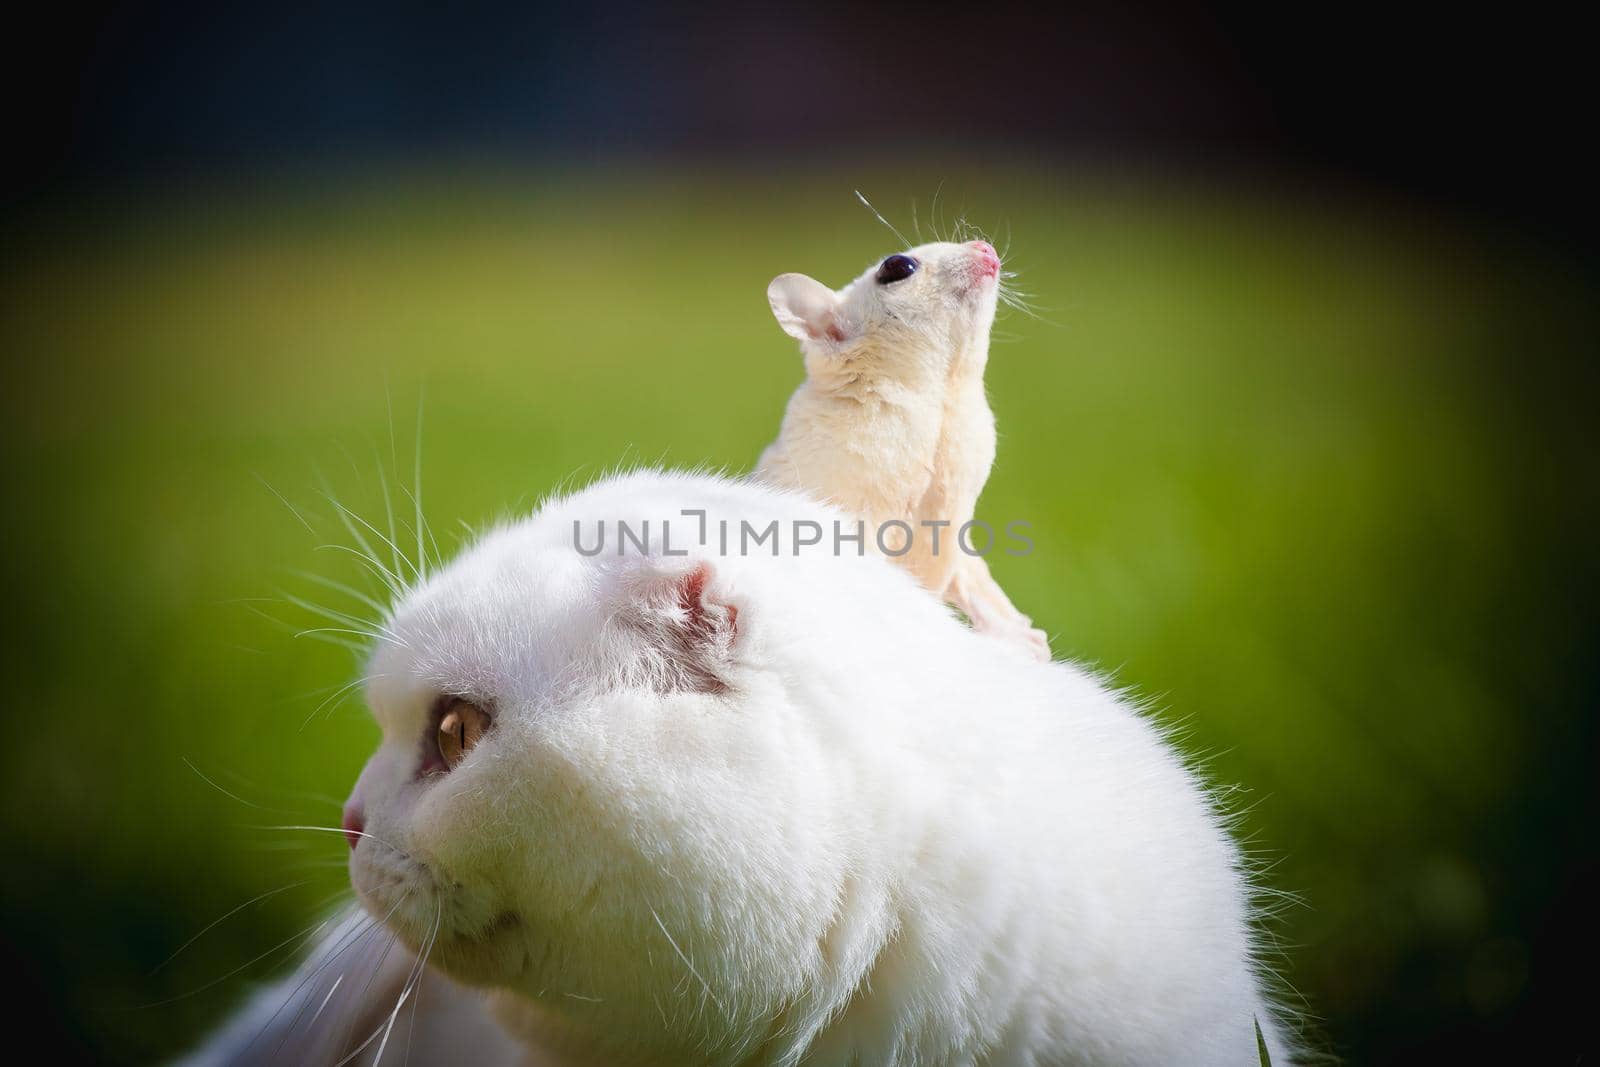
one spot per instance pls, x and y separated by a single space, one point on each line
1023 635
1033 639
1019 629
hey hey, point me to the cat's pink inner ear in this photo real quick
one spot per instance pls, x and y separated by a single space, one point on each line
700 636
683 612
705 619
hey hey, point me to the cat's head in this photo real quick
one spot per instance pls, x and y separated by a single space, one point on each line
933 304
633 785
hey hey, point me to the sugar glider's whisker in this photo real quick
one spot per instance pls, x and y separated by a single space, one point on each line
875 214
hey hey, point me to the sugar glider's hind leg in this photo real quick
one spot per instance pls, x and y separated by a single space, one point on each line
973 589
345 994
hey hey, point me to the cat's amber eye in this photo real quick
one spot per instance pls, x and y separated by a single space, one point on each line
461 726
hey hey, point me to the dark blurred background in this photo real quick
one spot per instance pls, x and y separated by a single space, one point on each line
1305 426
1481 110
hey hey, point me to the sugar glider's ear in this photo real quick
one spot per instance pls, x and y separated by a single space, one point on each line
690 624
806 309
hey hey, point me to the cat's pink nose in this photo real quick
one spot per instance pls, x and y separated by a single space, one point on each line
354 823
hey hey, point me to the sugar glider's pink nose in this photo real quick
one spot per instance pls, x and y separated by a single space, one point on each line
988 258
354 822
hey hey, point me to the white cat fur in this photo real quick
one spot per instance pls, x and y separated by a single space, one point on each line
785 810
892 422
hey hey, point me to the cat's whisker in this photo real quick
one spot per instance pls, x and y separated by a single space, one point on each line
438 556
333 699
280 846
303 936
290 794
348 519
323 635
340 630
382 537
330 639
331 614
323 1006
390 578
344 1040
230 795
416 484
339 587
327 863
364 926
219 920
377 570
411 1027
397 557
372 626
689 964
335 830
285 502
413 979
388 503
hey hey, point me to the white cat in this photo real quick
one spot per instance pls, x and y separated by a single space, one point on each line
776 807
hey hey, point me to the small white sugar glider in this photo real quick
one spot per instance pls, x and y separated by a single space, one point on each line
891 423
680 805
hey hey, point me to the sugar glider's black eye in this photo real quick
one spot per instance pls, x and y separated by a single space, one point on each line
896 268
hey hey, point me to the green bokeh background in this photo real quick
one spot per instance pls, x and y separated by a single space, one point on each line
1312 473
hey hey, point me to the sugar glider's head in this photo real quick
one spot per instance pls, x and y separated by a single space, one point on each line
912 309
624 781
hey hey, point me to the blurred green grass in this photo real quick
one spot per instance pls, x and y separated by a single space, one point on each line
1304 471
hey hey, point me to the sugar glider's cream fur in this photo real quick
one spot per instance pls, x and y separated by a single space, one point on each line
772 807
891 422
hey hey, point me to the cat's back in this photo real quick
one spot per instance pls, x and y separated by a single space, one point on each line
1092 859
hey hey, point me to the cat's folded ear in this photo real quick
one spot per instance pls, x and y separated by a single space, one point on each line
807 310
689 623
